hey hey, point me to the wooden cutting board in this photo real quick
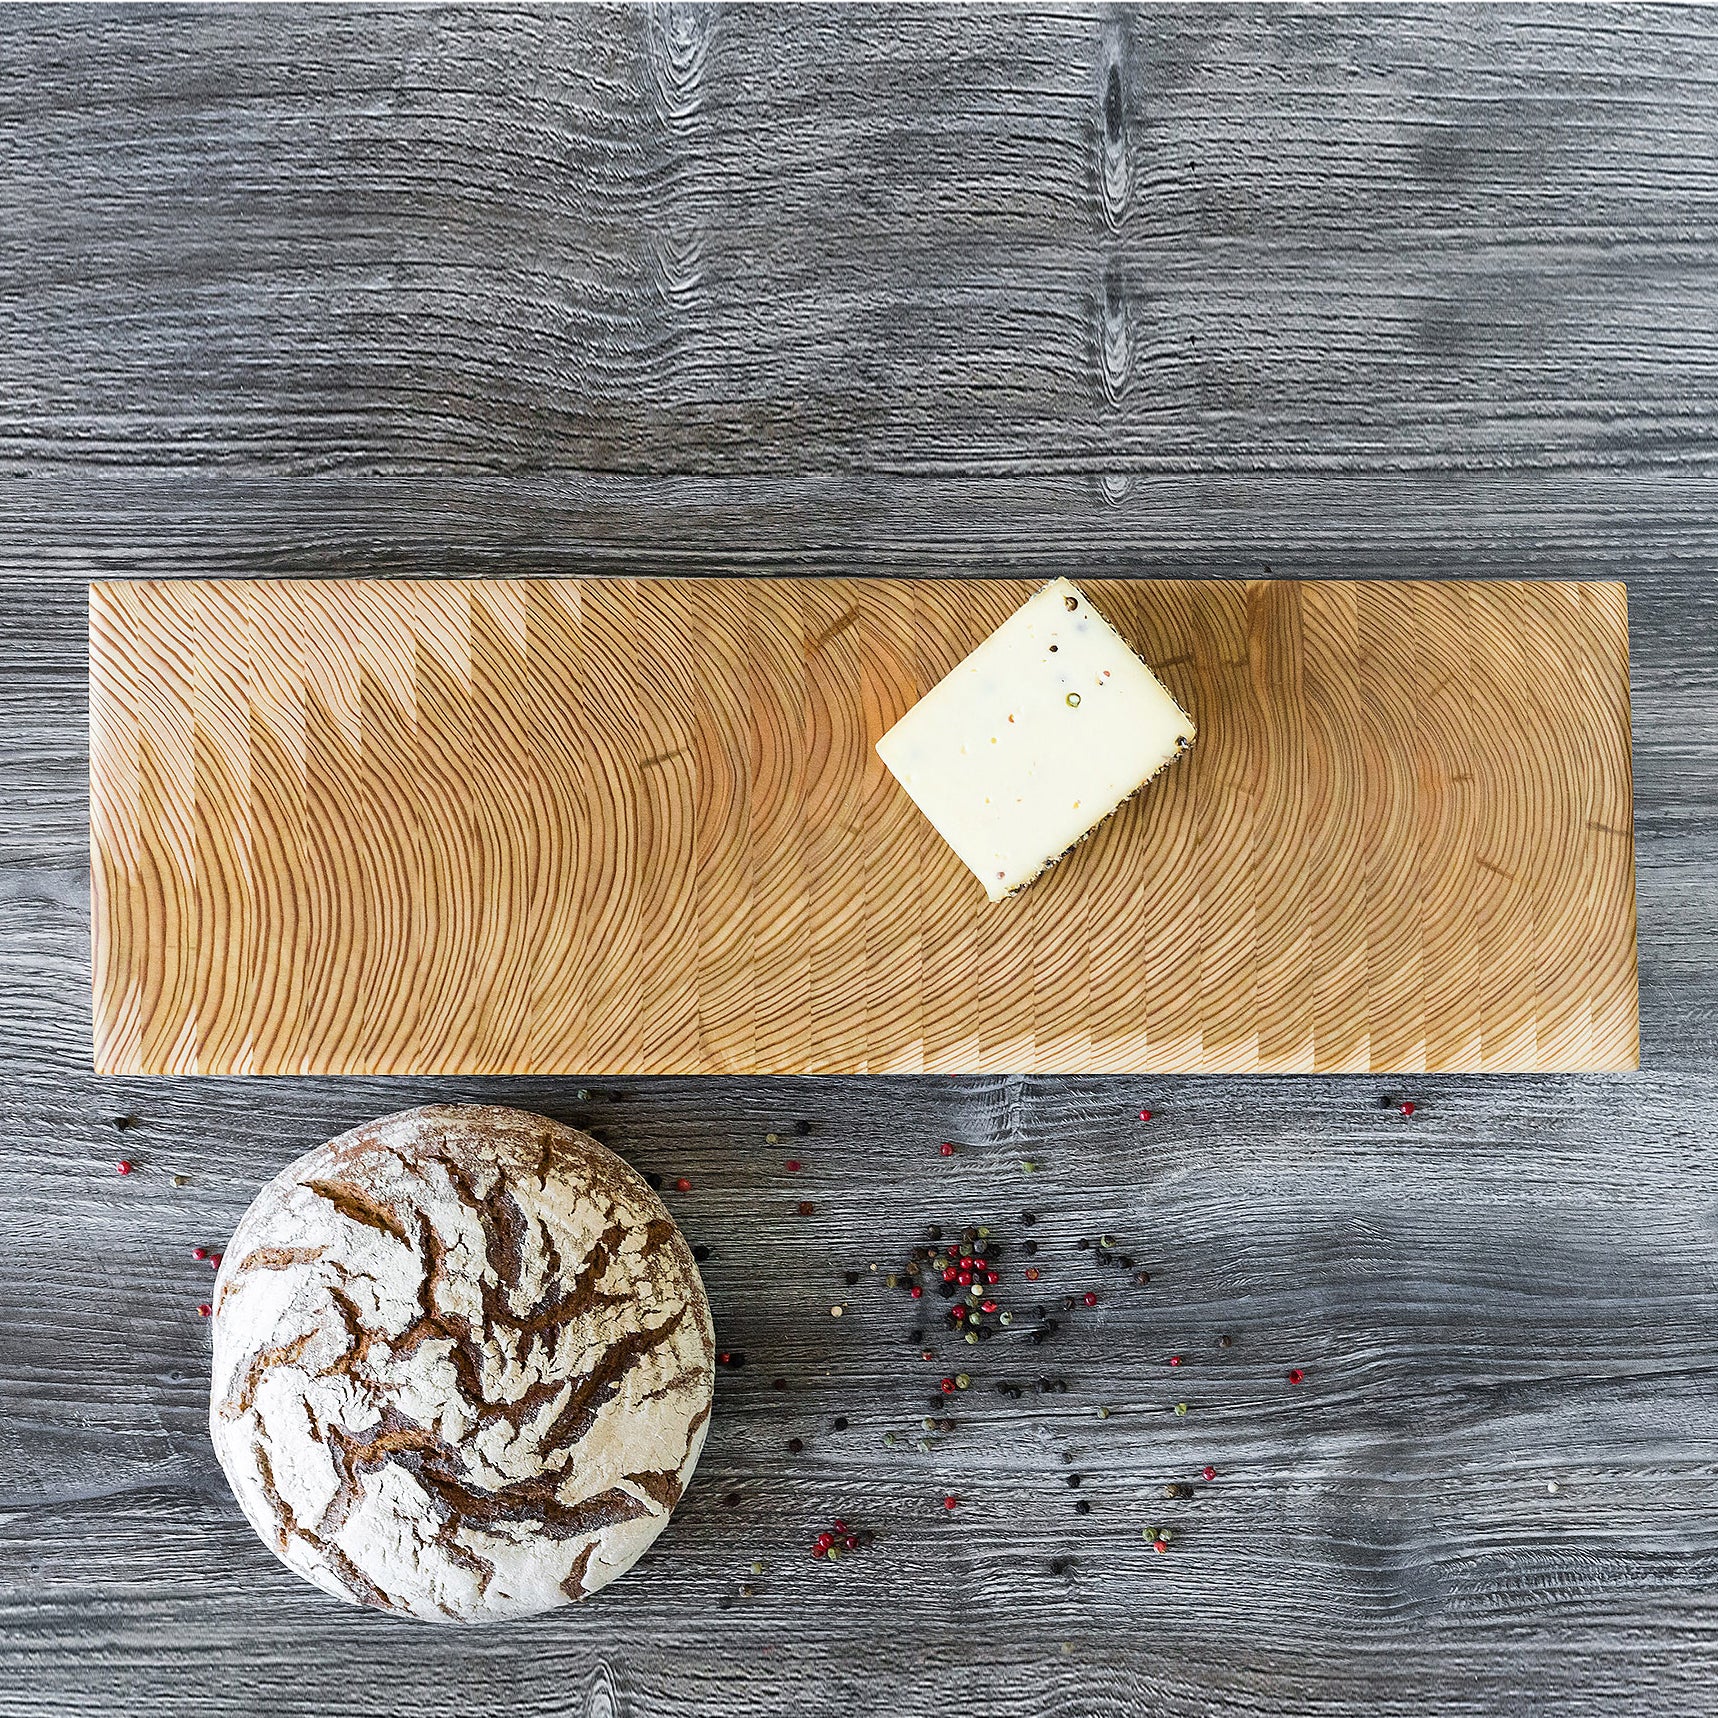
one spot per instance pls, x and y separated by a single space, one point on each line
638 826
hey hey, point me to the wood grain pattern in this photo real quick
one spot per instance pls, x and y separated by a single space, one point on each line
1389 292
542 827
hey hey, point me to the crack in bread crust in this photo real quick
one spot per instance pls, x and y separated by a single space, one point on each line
464 1342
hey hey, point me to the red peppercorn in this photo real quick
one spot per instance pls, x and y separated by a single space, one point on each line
841 1526
1089 1298
927 1354
1296 1375
794 1166
957 1313
1175 1360
851 1542
1145 1115
1160 1544
949 1274
820 1550
917 1292
948 1386
1407 1109
1031 1273
199 1254
1209 1472
214 1261
950 1501
204 1310
987 1306
993 1278
682 1185
123 1166
947 1149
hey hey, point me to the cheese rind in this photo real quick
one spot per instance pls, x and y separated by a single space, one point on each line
1021 750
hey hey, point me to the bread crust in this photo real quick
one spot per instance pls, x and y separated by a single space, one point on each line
464 1364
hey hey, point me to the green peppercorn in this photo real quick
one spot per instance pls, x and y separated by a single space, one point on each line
972 1336
1181 1407
961 1380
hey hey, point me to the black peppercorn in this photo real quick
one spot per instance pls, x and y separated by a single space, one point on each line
1074 1481
795 1445
1082 1507
934 1232
840 1422
802 1128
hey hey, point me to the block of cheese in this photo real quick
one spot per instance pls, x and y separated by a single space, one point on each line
1020 751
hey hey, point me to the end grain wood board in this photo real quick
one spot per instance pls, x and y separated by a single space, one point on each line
638 826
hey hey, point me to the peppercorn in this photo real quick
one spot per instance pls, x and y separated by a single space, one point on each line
802 1128
795 1446
840 1422
1082 1507
778 1383
683 1185
1225 1341
806 1208
1074 1481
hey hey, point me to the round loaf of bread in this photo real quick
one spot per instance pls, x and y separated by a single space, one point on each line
463 1364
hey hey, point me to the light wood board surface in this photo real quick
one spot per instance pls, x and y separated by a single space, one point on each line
1397 293
639 826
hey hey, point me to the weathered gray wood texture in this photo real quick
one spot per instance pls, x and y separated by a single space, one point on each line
1349 291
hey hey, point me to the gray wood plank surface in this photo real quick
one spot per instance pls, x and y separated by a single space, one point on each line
1380 291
